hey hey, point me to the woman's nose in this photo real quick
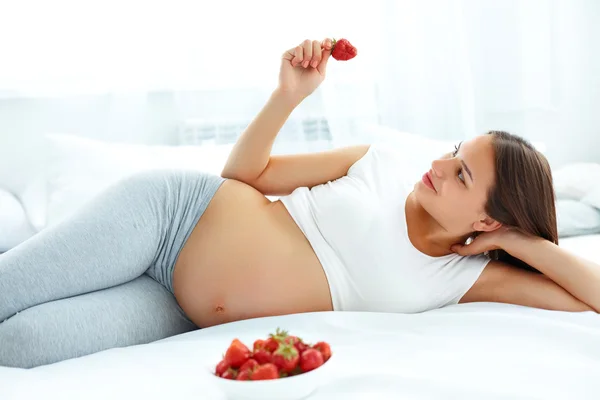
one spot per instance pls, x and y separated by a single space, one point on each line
440 167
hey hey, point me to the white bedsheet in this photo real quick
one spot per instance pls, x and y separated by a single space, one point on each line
470 351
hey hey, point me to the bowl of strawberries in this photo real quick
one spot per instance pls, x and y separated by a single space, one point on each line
280 366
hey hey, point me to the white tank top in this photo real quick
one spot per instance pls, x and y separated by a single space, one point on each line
357 228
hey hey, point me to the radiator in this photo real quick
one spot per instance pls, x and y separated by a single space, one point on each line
207 132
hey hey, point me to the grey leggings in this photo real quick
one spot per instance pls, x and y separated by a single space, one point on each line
103 277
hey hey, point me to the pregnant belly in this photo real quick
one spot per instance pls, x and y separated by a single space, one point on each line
246 258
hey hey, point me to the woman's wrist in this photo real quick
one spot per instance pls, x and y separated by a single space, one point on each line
291 99
515 242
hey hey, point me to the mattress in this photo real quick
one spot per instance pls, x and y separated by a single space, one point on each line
466 351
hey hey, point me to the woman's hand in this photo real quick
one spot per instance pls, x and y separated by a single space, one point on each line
501 238
303 68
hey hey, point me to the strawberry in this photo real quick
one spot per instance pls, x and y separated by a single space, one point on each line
297 343
271 344
229 374
266 371
279 335
342 50
222 366
311 359
251 364
274 339
237 353
258 344
324 349
244 375
286 357
263 356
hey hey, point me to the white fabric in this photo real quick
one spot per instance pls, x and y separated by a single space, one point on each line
79 168
357 227
14 225
469 351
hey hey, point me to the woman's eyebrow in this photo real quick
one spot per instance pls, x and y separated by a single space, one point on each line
467 169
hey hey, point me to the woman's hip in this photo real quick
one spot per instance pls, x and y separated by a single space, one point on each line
176 200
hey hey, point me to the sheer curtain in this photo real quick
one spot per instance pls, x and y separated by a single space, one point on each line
440 68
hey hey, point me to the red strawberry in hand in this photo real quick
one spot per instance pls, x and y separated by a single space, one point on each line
311 359
324 348
267 371
286 357
343 50
237 353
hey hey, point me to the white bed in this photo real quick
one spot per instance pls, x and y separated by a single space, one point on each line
473 351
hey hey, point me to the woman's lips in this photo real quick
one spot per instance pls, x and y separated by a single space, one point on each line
428 181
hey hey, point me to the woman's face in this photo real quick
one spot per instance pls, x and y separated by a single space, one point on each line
454 191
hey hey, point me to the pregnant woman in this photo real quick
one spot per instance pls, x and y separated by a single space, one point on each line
165 252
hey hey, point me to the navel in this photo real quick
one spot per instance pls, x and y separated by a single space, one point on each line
219 309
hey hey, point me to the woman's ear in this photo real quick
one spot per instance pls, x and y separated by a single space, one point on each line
486 224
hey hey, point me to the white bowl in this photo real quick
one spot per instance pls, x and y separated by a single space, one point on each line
290 388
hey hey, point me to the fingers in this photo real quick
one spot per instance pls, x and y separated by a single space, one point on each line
316 53
298 56
310 53
326 53
471 249
326 44
307 52
459 249
466 250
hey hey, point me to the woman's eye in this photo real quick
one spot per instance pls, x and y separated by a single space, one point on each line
460 176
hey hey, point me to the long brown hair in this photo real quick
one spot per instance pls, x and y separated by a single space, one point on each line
522 195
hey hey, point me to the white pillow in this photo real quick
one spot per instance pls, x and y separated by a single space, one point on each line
576 181
14 225
77 169
575 218
21 173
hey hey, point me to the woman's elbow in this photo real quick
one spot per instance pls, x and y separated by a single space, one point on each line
235 175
